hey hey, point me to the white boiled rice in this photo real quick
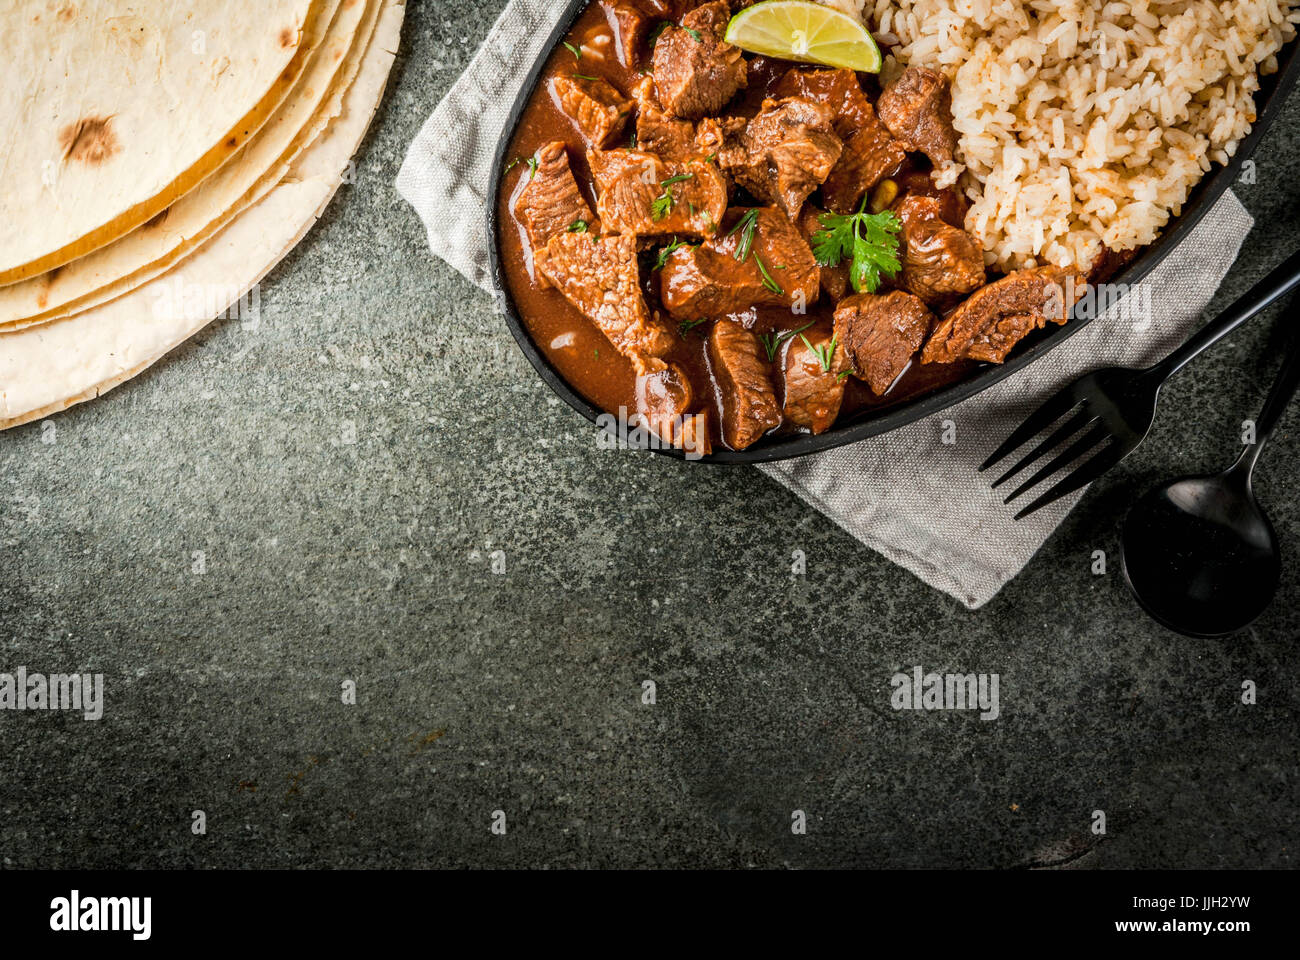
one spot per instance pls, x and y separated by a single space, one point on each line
852 7
1086 123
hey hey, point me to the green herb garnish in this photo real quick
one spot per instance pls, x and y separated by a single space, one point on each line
573 50
768 282
825 354
663 204
869 240
583 76
772 342
578 226
667 252
695 34
745 226
686 326
532 165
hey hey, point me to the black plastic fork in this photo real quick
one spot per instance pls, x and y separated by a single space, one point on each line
1109 412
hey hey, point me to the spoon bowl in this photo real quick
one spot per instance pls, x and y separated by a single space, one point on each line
1200 555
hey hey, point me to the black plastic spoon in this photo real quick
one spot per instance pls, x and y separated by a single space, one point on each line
1198 553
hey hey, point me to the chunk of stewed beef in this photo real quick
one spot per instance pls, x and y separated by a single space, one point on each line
784 153
664 136
939 260
550 201
631 29
815 369
837 89
601 277
870 155
953 204
744 378
880 334
917 109
664 398
995 318
870 152
673 138
669 137
776 268
696 72
642 194
598 110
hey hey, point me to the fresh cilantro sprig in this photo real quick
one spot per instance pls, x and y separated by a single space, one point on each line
686 326
577 53
663 204
868 240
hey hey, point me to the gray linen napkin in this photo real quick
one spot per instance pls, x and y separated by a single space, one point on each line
913 495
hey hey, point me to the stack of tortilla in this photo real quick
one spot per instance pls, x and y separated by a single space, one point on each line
161 155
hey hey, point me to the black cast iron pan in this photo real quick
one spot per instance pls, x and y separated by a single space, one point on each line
873 422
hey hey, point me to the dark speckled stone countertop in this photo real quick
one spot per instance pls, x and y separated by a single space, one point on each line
384 494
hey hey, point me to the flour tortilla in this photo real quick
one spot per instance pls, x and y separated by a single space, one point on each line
51 367
113 111
143 254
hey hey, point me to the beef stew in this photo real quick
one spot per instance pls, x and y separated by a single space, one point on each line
687 281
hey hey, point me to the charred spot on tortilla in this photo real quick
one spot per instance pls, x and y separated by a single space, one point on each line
158 219
232 142
67 12
90 141
47 281
288 37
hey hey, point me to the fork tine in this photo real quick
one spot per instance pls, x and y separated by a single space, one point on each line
1052 410
1103 461
1077 449
1072 426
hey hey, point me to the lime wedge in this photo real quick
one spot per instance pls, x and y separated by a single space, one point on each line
807 32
